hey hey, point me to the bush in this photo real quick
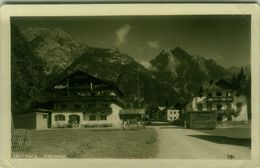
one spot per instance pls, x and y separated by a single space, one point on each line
178 122
150 140
73 154
96 125
61 126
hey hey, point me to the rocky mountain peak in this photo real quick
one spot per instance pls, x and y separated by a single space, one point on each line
175 76
56 47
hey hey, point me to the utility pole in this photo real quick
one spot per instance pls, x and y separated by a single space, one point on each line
68 82
138 82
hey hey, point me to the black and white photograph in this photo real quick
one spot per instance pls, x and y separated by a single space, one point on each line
131 87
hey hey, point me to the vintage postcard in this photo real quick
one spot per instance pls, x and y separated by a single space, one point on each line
130 85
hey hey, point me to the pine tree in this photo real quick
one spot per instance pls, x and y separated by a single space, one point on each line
27 73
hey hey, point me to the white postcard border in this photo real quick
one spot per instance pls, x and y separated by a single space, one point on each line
8 11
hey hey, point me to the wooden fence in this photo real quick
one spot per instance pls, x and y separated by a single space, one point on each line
20 139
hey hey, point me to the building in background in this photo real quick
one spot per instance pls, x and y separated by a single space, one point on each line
173 114
35 119
220 96
160 114
163 113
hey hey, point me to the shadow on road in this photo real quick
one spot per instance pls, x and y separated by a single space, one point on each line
224 140
171 127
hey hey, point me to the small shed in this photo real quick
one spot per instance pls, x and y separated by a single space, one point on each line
36 119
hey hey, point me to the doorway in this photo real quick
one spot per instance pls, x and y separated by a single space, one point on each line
74 119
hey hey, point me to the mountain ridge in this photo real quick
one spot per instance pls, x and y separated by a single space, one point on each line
174 77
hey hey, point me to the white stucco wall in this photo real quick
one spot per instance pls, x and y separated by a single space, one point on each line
243 115
66 114
196 101
112 118
171 114
41 123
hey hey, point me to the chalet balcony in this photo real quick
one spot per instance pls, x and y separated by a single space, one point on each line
98 110
103 110
57 98
219 99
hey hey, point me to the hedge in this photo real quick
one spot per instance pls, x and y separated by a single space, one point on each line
200 120
96 125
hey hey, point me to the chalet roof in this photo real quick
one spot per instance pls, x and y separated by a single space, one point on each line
220 84
161 108
65 74
33 111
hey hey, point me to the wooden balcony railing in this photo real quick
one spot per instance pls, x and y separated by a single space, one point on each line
105 110
114 99
219 99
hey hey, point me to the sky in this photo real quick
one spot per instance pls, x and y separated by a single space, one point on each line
224 38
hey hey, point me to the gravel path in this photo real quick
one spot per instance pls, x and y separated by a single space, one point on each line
179 143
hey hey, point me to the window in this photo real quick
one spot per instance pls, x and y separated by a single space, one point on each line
219 106
92 117
174 112
103 117
81 94
92 105
200 106
209 106
228 106
85 116
104 105
77 106
174 118
171 112
171 118
228 94
63 106
44 116
74 119
219 94
59 117
239 106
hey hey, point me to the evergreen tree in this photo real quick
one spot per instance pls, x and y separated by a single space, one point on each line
27 73
242 85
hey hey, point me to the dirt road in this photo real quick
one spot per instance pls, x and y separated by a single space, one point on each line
179 143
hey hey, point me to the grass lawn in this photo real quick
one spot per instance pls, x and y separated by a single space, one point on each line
86 143
239 133
232 136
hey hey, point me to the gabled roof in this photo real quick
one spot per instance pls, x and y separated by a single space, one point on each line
65 74
224 84
161 108
220 84
33 111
